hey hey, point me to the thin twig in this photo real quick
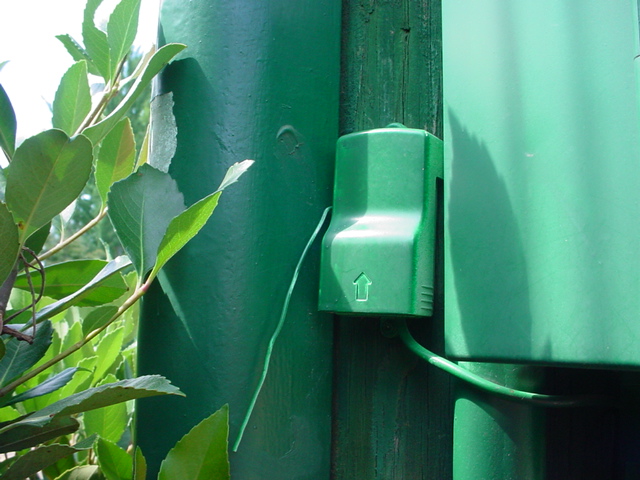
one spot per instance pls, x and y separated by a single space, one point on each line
40 269
97 111
27 274
34 298
110 92
116 79
17 334
75 236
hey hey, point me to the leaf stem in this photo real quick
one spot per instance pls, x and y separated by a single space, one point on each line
75 236
99 108
111 90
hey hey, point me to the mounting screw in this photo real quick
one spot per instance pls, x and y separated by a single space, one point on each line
389 328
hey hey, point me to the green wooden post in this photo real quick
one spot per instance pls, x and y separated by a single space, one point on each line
393 413
259 80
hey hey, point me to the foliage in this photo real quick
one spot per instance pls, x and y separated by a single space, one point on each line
67 356
101 241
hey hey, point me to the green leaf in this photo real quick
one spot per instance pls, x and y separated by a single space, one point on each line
141 208
117 157
143 156
72 336
21 356
24 434
8 415
9 243
202 454
83 472
37 240
7 124
51 384
156 63
82 379
139 466
95 41
109 394
108 350
114 462
63 279
121 31
104 275
2 64
58 468
39 458
186 225
97 318
77 52
72 102
47 173
183 228
234 172
48 422
107 422
3 180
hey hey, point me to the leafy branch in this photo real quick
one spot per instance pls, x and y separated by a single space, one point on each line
178 231
56 360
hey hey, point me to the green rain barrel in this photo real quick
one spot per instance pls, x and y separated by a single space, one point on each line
542 181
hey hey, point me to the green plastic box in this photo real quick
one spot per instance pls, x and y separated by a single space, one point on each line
377 255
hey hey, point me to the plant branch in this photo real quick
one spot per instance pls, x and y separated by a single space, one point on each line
99 108
34 298
40 269
129 302
111 91
75 236
8 285
32 291
117 76
95 112
17 334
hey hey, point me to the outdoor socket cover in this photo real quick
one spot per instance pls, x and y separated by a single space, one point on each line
378 252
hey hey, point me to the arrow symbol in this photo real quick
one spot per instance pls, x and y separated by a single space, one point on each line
362 283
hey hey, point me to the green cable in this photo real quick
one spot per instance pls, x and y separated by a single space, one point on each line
488 385
283 315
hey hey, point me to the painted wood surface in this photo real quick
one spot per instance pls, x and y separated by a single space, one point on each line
393 414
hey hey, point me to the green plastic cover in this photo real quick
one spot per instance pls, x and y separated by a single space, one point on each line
542 181
378 253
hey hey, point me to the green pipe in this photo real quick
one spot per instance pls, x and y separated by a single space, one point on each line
498 429
258 80
495 438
